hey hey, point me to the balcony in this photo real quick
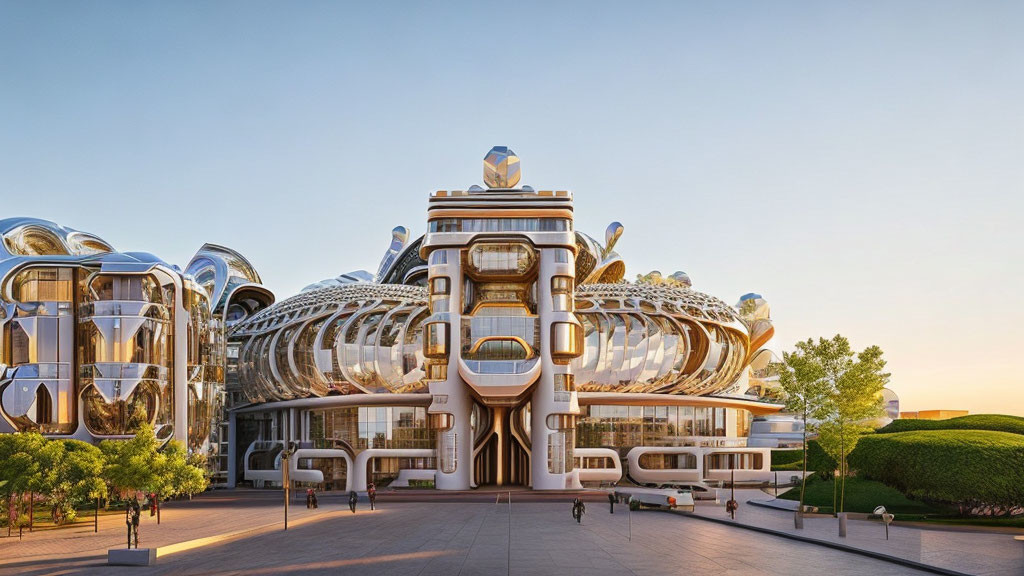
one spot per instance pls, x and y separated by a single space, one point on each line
477 330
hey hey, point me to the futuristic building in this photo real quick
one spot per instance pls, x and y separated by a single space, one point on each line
502 347
94 342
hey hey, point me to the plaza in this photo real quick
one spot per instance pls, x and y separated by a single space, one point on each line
443 536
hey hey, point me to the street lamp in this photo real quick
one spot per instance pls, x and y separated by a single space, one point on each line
286 482
886 518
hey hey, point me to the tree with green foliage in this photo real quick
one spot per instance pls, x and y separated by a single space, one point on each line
805 390
177 475
140 465
130 465
855 382
20 473
71 474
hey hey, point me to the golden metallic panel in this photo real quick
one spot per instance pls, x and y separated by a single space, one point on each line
505 213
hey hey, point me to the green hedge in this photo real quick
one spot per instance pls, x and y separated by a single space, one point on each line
783 457
817 460
862 495
966 467
994 422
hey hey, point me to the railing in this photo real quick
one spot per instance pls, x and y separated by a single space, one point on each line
523 327
120 308
51 370
500 366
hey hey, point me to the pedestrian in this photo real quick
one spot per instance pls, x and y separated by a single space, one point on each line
578 510
611 502
132 513
309 498
316 504
352 499
152 504
371 491
731 507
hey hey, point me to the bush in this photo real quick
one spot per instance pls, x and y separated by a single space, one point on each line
994 422
862 495
965 467
819 461
783 457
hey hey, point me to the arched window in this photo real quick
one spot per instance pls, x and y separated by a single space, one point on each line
44 406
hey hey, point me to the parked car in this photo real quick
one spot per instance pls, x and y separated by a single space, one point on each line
698 490
654 498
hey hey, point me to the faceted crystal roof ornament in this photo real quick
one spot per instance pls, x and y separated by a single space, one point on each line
501 168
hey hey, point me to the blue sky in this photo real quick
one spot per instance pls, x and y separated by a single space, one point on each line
859 164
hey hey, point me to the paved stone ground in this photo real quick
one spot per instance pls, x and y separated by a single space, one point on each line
982 553
449 538
207 515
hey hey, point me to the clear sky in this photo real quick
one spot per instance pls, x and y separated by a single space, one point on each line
859 164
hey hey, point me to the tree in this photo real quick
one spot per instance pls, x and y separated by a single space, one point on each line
71 471
20 472
140 465
177 473
854 382
803 384
130 465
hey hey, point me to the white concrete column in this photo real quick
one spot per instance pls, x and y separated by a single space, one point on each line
232 448
459 403
542 402
179 375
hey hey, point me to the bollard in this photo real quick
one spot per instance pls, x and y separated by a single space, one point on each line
842 524
798 520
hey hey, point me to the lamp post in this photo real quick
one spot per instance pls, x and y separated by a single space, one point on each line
286 482
732 492
886 518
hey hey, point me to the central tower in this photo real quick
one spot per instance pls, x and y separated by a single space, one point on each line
502 332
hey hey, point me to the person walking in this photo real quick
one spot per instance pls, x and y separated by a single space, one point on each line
578 510
611 502
316 504
309 498
371 491
132 514
352 499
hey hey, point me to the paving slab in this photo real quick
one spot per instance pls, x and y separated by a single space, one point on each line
450 538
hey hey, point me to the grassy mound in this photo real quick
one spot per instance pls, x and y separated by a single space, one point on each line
966 467
993 422
861 496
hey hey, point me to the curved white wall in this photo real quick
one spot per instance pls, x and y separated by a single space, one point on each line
613 474
666 476
356 478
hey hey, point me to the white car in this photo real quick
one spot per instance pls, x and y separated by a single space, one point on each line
698 490
654 497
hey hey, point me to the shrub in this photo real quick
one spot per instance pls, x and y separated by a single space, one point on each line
819 461
965 467
994 422
783 457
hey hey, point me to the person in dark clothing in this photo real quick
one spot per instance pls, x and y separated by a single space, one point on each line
352 499
578 510
309 498
316 504
611 502
371 491
132 514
